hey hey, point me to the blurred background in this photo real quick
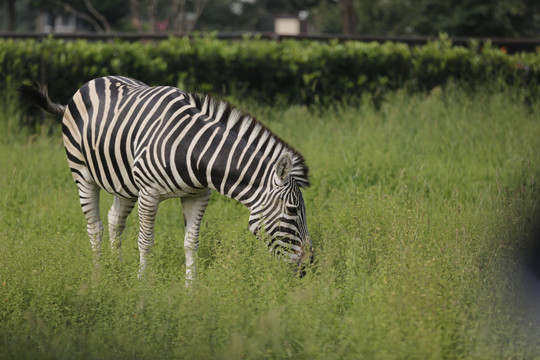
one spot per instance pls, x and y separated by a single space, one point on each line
474 18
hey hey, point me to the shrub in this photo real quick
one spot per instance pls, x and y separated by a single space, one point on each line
289 71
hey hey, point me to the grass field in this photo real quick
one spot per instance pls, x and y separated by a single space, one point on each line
420 213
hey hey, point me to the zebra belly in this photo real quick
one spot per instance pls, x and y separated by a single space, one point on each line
110 168
155 177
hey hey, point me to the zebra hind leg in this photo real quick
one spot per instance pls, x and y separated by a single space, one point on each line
148 207
89 199
117 216
193 209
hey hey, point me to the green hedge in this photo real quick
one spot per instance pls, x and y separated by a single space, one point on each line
286 71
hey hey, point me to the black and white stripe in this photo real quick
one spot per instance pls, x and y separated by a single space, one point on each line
152 143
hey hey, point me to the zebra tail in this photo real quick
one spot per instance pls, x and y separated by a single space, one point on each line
40 98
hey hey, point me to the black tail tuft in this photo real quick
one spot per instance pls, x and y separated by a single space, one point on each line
39 97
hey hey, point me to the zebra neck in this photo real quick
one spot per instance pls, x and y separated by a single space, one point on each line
243 181
232 153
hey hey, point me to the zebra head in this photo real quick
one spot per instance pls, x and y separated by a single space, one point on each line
280 215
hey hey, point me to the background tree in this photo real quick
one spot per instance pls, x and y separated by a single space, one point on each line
102 16
500 18
178 16
504 18
348 15
480 18
249 15
12 15
92 16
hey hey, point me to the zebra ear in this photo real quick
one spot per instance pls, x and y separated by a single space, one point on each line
283 168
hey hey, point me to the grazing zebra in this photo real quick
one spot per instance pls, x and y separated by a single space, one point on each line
153 143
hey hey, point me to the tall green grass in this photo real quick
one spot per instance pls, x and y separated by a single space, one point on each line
420 213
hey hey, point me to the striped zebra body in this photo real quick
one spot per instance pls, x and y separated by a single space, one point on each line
148 144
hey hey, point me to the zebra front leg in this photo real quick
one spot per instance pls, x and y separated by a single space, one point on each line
89 199
118 214
193 209
148 206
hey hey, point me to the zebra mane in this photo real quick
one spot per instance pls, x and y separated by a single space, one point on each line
243 123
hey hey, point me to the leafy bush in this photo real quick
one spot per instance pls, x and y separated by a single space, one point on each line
289 71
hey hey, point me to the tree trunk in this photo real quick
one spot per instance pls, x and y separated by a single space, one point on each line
105 24
152 16
349 16
177 15
12 16
135 16
198 9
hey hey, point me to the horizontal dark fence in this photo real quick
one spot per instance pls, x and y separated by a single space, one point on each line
512 45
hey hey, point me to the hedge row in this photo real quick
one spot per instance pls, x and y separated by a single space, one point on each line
286 71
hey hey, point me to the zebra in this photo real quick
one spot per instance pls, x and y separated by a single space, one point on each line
147 144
